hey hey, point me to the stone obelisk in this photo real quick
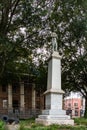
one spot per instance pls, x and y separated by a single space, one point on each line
53 113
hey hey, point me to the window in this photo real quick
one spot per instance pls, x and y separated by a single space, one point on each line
38 104
69 112
3 88
76 113
4 103
15 87
69 104
75 104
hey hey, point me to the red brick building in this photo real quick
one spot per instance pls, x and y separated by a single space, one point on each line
74 106
20 98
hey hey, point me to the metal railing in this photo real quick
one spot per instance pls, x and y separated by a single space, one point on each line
21 114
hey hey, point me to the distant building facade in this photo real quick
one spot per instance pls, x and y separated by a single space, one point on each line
20 98
74 105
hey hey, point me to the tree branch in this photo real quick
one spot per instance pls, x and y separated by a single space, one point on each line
12 13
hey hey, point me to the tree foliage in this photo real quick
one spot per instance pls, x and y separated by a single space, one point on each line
26 26
70 23
68 20
20 25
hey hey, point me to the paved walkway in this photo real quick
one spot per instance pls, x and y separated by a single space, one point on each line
12 127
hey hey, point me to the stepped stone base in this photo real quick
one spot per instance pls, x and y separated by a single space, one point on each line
49 117
47 122
59 117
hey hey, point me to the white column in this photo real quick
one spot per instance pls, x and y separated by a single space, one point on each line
33 96
54 72
54 93
9 96
22 96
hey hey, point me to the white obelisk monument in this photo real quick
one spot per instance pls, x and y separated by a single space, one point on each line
53 113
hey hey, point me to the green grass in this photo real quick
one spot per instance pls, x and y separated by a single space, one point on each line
2 125
80 124
81 121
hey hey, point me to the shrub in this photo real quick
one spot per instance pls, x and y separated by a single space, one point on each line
2 125
81 121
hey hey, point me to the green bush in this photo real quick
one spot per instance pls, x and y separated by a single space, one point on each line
2 125
27 121
81 121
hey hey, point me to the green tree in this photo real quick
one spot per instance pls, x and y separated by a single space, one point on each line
69 22
20 25
41 76
26 26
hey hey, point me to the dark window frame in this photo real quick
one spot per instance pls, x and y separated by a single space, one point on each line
4 88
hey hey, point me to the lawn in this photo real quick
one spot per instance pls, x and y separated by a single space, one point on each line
80 124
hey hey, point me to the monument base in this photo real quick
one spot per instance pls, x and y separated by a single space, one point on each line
49 117
47 122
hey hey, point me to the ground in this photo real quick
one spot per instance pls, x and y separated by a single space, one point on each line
80 124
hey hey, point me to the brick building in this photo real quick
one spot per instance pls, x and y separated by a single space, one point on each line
74 105
20 98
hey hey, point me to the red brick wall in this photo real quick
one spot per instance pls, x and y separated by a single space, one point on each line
28 97
73 104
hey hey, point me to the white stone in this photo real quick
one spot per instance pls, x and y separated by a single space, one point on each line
47 122
54 72
53 101
53 114
54 117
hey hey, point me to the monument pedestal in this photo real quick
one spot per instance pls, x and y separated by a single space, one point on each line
53 114
51 121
